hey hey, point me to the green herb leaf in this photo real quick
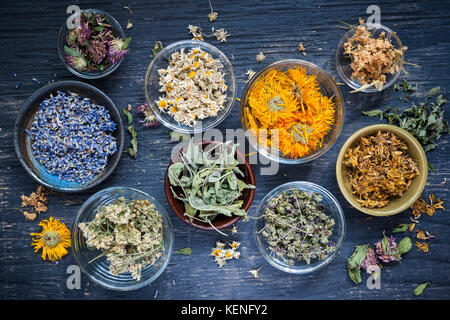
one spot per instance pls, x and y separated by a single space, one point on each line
374 113
405 245
186 251
355 275
434 91
401 228
358 256
157 47
133 149
419 289
129 115
126 42
71 51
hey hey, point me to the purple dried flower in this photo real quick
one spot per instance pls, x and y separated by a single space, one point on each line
149 118
83 32
78 63
370 263
387 249
115 52
97 51
106 35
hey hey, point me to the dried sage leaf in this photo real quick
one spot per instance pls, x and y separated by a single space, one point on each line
186 251
419 289
405 245
401 228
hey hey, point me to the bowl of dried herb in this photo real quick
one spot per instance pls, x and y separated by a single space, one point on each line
94 46
210 185
381 170
299 227
69 136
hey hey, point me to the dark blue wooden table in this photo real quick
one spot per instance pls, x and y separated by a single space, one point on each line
29 33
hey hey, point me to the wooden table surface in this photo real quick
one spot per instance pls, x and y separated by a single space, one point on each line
29 33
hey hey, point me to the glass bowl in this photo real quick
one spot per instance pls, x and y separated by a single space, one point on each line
62 36
152 92
327 87
333 210
343 62
98 270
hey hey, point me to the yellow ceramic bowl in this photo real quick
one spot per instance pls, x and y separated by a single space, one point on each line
397 204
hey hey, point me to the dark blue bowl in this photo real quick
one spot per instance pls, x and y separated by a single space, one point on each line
22 142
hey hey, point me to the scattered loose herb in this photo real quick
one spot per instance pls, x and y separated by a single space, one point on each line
255 272
157 47
355 261
212 16
221 34
186 251
54 239
133 148
149 119
405 245
379 168
129 10
129 25
419 289
222 254
36 203
250 73
297 227
301 48
425 121
93 46
130 234
401 228
209 182
196 32
260 57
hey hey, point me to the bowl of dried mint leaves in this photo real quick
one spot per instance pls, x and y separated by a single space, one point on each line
381 170
299 227
122 238
210 185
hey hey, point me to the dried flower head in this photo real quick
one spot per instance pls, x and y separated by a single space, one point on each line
97 51
76 62
196 32
149 118
221 35
212 16
250 73
129 25
301 48
260 57
222 254
37 201
422 246
116 51
255 272
370 263
387 249
54 239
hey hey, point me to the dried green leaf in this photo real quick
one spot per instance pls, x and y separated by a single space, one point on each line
419 289
358 256
186 251
157 47
374 113
129 115
405 245
71 51
433 91
401 228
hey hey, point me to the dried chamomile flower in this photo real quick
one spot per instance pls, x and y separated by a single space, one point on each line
196 32
234 229
260 57
212 16
250 73
301 48
221 35
222 254
255 272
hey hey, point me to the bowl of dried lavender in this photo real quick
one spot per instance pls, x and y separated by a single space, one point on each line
69 136
122 238
299 227
94 45
381 170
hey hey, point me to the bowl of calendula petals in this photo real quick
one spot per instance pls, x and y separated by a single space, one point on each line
210 185
292 111
299 227
381 170
190 86
369 58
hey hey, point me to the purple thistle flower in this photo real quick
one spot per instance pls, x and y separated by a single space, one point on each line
97 51
115 52
390 252
149 118
78 63
370 263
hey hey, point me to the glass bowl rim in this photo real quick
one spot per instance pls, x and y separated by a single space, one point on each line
347 79
169 227
308 187
338 97
227 66
97 74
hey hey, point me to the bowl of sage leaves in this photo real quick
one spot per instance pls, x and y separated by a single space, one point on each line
210 185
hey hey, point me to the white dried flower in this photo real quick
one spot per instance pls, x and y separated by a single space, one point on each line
255 272
250 73
212 16
260 57
221 35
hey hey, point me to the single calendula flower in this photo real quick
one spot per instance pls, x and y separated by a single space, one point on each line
54 239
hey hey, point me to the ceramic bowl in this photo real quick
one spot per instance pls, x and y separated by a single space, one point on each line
22 142
397 204
221 221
